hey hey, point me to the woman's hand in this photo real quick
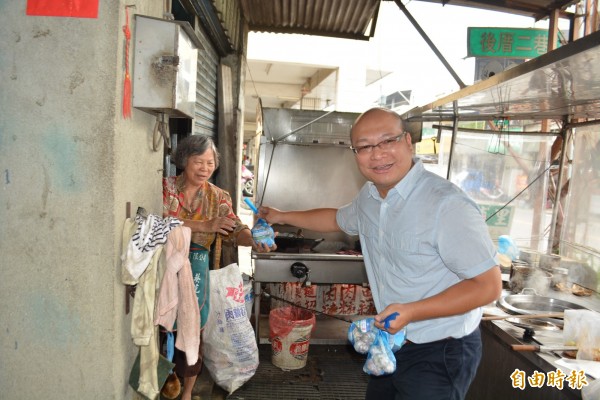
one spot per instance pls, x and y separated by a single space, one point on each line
222 225
263 248
244 238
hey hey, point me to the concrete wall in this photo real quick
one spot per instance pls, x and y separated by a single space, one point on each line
69 163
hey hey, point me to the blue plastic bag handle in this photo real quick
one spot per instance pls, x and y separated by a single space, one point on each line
251 205
388 319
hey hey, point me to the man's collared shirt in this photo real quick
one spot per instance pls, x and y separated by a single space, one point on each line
424 237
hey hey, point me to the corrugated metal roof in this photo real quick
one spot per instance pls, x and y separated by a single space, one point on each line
538 9
353 19
356 19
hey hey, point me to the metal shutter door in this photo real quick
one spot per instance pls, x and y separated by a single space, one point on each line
205 119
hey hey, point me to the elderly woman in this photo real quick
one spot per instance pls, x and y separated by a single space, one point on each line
207 210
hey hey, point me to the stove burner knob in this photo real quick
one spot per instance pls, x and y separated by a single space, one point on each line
299 270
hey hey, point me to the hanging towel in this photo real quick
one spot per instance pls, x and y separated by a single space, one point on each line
177 298
151 232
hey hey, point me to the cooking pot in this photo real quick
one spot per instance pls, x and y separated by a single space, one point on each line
525 276
530 256
549 261
532 304
291 242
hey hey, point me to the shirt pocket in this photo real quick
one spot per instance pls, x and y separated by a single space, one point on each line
406 243
414 257
370 235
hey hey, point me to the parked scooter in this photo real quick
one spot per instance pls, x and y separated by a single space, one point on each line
247 182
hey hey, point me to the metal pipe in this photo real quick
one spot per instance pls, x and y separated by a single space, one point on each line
582 123
492 132
558 190
430 43
452 143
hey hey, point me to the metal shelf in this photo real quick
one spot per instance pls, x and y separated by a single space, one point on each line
559 84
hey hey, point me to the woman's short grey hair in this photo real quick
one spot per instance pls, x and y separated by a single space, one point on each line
194 145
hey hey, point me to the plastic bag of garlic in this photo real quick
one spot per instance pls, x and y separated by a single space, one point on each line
379 345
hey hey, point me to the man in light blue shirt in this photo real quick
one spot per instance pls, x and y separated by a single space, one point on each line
428 256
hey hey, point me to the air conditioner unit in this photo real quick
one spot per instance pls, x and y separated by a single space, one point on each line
165 63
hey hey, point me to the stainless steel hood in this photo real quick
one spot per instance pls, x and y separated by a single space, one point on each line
563 83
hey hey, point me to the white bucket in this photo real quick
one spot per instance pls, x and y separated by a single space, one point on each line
290 330
291 352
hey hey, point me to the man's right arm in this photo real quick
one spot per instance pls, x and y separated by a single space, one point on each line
318 219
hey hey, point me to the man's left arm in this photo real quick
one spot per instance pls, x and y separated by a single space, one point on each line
464 296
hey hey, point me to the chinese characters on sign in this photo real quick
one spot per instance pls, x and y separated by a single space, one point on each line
575 379
506 42
499 218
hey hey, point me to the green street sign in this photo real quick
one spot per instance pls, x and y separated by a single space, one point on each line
506 42
499 224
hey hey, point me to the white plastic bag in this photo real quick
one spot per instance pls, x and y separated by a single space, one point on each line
229 343
581 329
591 391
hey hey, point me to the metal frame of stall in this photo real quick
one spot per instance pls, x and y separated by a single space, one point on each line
564 96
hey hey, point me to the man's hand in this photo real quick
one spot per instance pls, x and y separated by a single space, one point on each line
394 324
271 215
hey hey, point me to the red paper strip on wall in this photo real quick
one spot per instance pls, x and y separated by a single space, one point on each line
63 8
127 79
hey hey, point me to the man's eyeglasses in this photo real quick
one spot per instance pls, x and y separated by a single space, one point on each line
383 145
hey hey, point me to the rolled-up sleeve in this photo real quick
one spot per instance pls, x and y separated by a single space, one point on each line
347 218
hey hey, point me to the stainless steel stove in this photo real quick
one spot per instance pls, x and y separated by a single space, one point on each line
307 164
308 269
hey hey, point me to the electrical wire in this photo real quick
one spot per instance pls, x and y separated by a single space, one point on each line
518 194
269 295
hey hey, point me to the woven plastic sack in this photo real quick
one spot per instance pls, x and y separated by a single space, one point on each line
229 343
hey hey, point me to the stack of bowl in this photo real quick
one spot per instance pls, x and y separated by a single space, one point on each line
529 256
